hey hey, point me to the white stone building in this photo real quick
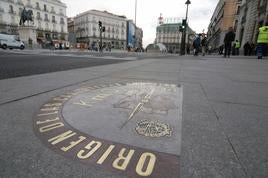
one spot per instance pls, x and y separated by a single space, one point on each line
87 28
49 17
168 33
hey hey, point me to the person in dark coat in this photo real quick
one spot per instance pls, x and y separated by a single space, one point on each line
228 39
252 49
204 46
197 44
221 49
247 49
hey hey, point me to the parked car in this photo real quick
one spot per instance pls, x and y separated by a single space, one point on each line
11 42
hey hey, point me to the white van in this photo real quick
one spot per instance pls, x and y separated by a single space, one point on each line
11 42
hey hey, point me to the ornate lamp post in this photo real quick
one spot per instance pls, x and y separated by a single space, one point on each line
183 39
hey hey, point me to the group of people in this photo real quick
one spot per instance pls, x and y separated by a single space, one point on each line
232 46
249 48
200 42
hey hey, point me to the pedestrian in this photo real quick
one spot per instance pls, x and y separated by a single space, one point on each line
252 49
204 45
197 44
237 47
262 41
228 39
51 45
247 49
233 49
109 47
188 49
209 49
221 49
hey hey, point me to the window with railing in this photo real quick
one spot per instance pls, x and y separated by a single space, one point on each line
11 10
38 16
46 18
39 25
20 10
45 7
2 10
62 21
53 19
46 27
19 2
37 6
28 4
53 10
61 12
238 10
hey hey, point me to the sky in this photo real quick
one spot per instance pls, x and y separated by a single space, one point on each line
148 11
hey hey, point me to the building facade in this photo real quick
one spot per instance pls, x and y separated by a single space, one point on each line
88 32
253 14
71 31
139 37
225 15
170 36
134 36
49 18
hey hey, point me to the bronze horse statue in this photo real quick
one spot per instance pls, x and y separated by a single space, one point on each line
26 15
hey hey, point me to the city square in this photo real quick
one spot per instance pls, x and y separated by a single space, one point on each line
91 96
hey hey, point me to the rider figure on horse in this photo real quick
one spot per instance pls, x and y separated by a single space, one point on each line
26 16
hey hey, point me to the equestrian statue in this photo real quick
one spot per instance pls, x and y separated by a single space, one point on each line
26 15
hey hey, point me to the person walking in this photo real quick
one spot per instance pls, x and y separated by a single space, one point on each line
247 49
237 47
228 39
196 45
204 45
262 41
221 48
252 49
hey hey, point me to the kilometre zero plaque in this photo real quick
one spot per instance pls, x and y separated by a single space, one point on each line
130 129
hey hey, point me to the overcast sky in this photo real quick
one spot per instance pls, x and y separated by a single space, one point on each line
148 11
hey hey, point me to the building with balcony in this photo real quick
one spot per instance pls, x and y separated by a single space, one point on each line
86 26
225 15
49 18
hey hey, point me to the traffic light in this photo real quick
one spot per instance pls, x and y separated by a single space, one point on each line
183 25
100 24
182 28
103 29
184 22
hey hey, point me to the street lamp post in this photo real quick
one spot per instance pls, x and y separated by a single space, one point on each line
135 12
183 39
135 23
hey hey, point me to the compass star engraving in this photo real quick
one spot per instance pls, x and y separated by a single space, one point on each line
139 106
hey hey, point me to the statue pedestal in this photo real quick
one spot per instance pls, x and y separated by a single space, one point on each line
28 35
